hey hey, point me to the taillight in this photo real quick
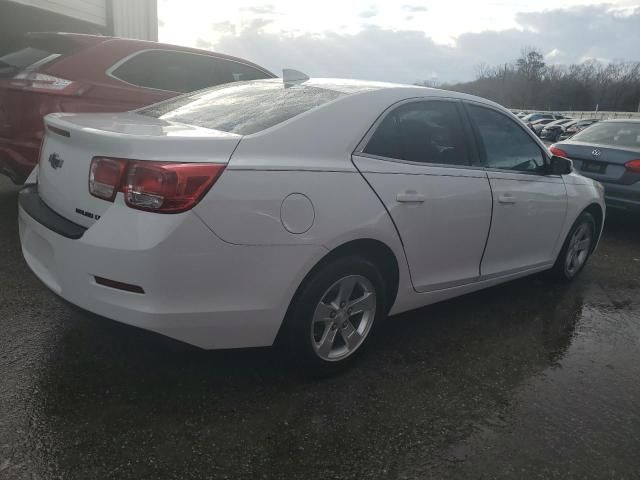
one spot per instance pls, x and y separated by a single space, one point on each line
105 177
42 82
162 187
633 166
558 151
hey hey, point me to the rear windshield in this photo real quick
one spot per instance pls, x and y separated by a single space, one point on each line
33 53
17 61
617 134
243 108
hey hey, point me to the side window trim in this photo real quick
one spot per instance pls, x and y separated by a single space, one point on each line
122 61
470 147
482 152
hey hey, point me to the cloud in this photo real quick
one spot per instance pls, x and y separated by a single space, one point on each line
267 9
414 8
407 56
370 12
204 44
256 25
224 27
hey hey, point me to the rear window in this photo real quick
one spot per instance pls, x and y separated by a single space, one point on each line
32 54
17 61
243 108
182 71
617 134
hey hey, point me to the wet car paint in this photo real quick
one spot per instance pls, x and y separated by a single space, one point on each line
531 379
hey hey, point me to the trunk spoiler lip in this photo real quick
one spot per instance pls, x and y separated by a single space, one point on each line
65 121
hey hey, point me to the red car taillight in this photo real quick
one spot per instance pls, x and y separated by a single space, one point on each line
162 187
44 83
633 166
558 151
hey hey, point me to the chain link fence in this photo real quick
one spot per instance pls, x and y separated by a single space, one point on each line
579 115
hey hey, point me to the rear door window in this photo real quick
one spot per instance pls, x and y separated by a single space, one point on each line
424 132
181 71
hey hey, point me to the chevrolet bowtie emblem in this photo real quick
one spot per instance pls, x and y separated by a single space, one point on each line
55 161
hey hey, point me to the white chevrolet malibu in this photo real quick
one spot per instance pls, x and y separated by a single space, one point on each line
302 211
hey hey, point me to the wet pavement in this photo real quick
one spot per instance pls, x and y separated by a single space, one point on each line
525 380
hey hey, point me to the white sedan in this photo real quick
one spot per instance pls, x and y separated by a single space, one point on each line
302 211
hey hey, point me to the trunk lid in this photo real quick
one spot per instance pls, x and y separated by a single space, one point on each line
600 162
72 140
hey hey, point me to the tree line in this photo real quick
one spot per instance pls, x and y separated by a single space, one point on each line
531 84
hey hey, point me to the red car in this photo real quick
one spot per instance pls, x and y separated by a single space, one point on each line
61 72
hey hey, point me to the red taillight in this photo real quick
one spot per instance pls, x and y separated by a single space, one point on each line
162 187
558 151
105 177
633 166
42 82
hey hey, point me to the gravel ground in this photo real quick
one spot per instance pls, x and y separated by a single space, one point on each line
525 380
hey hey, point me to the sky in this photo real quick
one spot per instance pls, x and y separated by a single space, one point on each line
403 41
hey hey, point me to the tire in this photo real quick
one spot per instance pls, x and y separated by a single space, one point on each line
323 331
576 249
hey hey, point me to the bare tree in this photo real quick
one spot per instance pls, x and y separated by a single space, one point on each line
530 83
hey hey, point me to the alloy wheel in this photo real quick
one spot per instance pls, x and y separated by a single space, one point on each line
578 250
343 318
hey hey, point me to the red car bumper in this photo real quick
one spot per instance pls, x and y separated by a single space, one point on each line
18 157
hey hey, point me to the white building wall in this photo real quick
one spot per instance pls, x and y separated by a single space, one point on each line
135 19
92 11
121 18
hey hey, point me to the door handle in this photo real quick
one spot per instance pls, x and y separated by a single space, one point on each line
506 198
410 196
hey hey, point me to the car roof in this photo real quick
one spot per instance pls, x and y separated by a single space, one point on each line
88 40
393 91
622 120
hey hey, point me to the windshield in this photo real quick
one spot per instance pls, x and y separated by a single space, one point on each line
243 108
618 134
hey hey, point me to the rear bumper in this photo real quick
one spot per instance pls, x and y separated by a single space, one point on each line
197 288
625 197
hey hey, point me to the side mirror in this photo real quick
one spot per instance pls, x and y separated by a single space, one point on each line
560 166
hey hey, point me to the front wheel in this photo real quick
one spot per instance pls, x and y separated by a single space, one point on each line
334 314
577 248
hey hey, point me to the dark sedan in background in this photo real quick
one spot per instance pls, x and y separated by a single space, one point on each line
538 125
608 152
553 130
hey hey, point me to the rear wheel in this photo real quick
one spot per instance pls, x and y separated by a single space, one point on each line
577 248
334 314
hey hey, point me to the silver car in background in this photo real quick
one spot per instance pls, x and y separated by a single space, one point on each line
608 152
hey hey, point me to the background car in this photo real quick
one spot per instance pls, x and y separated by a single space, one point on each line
56 72
552 131
537 125
608 152
301 211
532 117
577 127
